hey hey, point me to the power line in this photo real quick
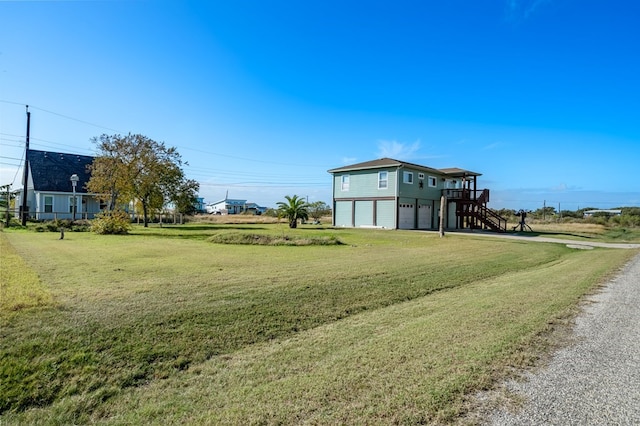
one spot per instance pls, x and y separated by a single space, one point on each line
75 119
181 147
247 185
10 158
18 167
12 135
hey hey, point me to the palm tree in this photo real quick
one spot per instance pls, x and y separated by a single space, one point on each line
295 208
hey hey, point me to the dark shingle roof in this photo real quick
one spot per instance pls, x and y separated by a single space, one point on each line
390 162
51 171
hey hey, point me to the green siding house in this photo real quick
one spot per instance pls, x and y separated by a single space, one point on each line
388 193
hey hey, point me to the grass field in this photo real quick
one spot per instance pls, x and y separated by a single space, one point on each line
165 326
586 231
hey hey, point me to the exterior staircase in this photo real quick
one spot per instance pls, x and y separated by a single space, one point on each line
472 210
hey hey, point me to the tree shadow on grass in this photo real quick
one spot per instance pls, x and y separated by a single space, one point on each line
550 234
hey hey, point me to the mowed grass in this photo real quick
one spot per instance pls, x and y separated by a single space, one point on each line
20 287
586 232
166 327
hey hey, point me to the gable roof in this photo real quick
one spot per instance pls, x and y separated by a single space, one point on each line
50 171
456 172
232 201
390 162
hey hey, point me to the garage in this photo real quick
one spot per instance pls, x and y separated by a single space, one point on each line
343 214
364 213
424 216
407 215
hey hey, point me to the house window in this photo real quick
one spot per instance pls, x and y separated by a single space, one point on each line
48 204
407 177
71 205
383 180
344 183
433 182
420 176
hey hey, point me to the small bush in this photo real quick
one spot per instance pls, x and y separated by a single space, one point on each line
111 222
81 226
55 225
270 240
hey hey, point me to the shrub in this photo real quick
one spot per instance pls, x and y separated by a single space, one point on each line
55 225
81 226
111 222
270 240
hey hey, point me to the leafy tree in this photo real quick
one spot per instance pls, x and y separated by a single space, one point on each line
570 213
318 209
185 197
271 212
544 213
136 168
293 209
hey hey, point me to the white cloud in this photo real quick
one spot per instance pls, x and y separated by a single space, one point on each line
491 146
397 150
517 10
560 188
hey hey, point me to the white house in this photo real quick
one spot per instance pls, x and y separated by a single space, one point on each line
50 188
607 212
234 206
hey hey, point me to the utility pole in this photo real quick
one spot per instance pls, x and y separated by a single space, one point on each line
559 211
443 205
25 181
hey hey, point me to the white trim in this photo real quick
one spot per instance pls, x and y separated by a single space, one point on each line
344 182
385 180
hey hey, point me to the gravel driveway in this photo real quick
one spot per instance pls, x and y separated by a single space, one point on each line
596 379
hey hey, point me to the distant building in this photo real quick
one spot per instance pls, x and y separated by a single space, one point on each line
200 207
234 206
589 213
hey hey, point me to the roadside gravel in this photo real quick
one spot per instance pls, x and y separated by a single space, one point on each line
596 379
538 239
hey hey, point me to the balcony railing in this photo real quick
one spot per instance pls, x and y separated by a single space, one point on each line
479 195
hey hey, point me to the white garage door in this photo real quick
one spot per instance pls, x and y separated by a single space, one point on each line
364 213
424 216
343 214
407 216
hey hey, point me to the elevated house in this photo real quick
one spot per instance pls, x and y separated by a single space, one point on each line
50 189
388 193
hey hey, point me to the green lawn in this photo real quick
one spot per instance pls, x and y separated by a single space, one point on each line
164 326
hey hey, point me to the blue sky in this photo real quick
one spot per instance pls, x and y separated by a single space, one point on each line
261 98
